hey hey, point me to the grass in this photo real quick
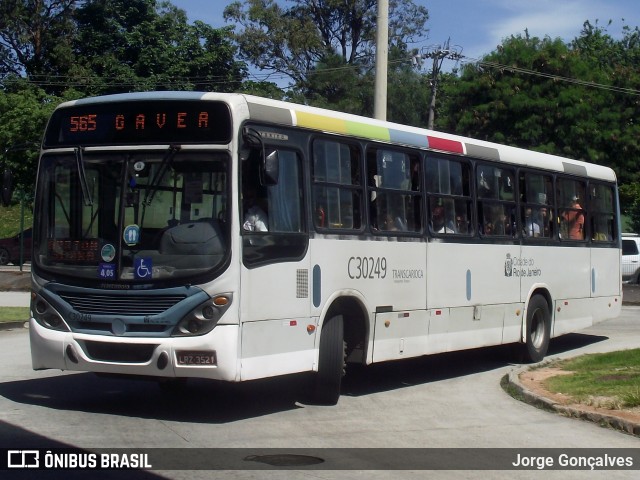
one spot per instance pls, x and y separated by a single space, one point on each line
10 216
606 380
13 314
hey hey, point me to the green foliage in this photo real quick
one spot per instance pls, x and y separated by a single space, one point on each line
35 38
541 94
630 201
52 51
127 45
301 40
24 112
11 221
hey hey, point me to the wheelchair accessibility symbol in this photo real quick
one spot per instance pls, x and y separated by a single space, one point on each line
142 267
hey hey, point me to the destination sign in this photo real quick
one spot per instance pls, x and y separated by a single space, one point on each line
141 122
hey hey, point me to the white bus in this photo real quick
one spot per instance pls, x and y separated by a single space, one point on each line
230 237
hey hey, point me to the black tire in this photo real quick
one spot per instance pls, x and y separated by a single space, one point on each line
331 362
4 256
538 331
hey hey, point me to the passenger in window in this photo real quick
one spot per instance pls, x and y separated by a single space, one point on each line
575 220
531 227
601 230
501 222
255 219
390 225
462 224
545 221
438 220
321 217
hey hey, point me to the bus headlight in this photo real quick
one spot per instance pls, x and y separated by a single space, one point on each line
46 315
203 318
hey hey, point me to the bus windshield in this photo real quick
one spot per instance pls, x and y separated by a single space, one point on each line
132 216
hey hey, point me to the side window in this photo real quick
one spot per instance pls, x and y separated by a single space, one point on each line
571 214
449 193
395 198
496 191
337 186
629 247
536 200
285 198
602 212
274 208
273 220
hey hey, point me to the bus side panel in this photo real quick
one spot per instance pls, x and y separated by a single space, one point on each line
277 347
400 335
565 271
390 275
274 320
482 290
467 274
276 291
605 272
606 287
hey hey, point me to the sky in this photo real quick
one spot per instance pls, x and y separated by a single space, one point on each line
478 26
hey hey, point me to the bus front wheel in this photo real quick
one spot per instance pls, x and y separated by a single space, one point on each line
538 330
331 362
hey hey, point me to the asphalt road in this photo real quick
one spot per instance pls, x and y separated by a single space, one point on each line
451 402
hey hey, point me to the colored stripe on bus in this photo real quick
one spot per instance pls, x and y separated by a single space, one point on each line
345 127
409 138
445 145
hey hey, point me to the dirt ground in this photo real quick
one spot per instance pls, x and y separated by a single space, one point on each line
533 380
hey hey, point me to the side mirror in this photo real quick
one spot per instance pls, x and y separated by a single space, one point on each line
7 187
270 168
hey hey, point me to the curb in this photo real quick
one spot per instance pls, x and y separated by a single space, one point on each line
14 325
520 392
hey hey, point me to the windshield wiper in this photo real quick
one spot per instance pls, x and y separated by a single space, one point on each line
155 183
82 176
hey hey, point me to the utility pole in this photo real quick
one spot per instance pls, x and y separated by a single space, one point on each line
382 53
438 54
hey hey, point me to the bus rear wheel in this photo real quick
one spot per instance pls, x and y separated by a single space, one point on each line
538 330
331 362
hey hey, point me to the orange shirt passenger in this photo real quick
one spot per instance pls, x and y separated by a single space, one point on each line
575 219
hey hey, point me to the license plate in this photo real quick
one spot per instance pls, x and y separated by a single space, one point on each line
196 358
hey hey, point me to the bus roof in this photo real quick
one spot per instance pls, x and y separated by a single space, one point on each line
290 114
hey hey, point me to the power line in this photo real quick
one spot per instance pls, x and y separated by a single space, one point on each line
436 53
559 78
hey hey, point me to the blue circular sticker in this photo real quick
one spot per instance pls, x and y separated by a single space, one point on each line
108 252
131 234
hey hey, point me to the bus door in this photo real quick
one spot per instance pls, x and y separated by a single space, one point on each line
274 289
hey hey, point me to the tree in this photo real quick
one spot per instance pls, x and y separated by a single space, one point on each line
317 35
126 45
24 113
541 94
578 100
35 38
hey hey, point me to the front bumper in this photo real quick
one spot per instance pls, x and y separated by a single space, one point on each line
52 349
